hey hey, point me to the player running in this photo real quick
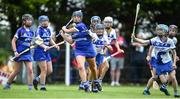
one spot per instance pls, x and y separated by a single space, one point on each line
41 55
162 61
21 41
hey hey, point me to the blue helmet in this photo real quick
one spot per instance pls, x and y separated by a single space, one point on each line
96 18
78 13
99 26
164 27
27 16
43 18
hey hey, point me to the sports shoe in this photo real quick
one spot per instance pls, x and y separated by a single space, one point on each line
86 88
81 86
112 83
117 83
94 88
43 89
165 91
146 92
6 86
98 84
35 84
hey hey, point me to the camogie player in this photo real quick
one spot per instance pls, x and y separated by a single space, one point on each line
21 41
41 55
84 49
173 30
171 76
101 43
162 61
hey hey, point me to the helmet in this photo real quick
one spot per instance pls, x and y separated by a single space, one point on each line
95 18
27 16
99 26
43 18
108 19
173 27
164 27
78 13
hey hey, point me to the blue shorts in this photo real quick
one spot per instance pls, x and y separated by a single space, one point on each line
153 62
40 55
164 68
25 57
87 54
99 59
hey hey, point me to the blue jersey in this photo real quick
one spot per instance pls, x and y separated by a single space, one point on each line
45 34
83 41
39 53
24 37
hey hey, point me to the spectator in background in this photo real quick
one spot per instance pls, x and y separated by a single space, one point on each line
117 62
138 56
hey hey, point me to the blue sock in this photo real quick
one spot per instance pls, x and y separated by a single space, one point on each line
30 86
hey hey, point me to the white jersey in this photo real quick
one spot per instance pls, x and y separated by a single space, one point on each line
161 49
174 40
99 43
111 36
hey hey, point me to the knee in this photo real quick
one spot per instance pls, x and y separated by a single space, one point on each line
49 72
155 78
30 71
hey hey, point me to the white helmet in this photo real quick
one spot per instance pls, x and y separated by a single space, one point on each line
108 19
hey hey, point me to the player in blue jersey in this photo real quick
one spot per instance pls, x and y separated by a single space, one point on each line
21 41
163 63
84 48
41 55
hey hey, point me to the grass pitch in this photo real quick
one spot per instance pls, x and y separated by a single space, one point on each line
62 91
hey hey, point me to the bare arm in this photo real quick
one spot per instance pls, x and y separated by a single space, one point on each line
71 30
67 38
140 40
13 43
148 58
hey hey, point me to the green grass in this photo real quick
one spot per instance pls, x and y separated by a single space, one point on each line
62 91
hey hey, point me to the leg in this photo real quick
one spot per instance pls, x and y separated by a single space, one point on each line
103 69
82 73
96 83
30 74
163 80
49 68
93 67
112 72
43 74
172 77
17 68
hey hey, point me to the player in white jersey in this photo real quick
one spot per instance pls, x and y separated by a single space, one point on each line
173 30
163 63
101 43
172 76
